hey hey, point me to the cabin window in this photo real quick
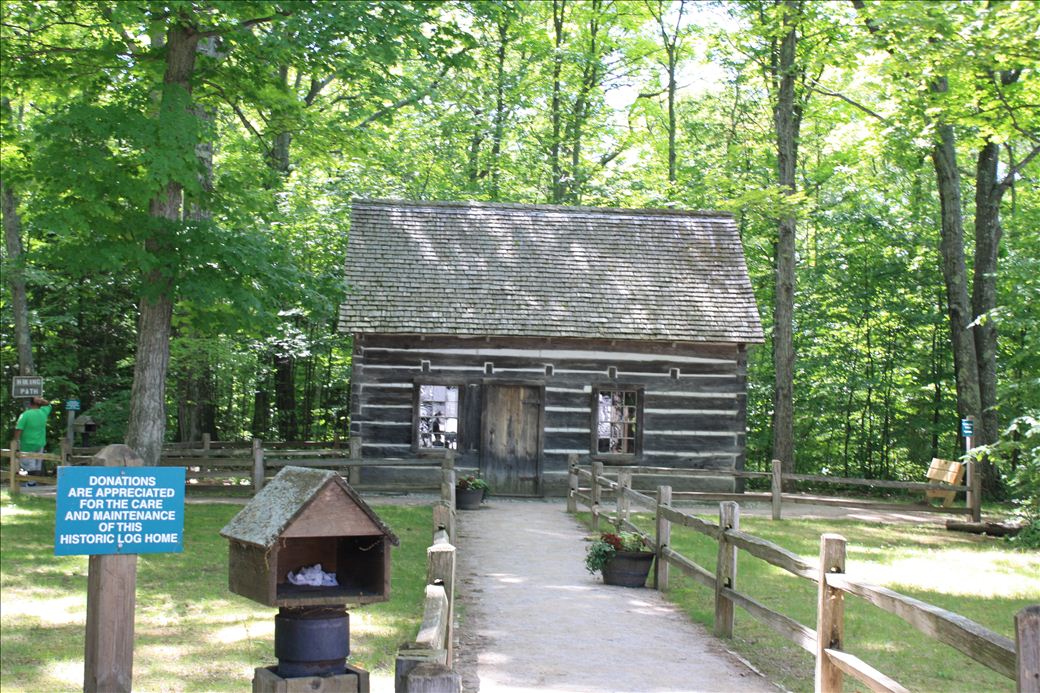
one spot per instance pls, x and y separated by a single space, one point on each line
438 417
617 421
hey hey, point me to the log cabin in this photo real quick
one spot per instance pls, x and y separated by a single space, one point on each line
518 335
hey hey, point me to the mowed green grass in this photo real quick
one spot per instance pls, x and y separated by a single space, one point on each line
192 634
975 576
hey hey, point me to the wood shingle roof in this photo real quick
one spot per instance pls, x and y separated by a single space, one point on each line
465 268
285 498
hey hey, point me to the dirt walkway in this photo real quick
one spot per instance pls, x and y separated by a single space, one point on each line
533 619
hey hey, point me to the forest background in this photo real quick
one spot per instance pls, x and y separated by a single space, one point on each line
177 180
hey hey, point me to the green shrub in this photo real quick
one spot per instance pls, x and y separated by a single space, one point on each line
1018 453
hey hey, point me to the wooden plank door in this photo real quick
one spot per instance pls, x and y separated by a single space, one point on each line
511 439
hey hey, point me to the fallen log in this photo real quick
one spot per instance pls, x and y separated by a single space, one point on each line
994 529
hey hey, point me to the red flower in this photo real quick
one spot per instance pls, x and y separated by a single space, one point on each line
612 539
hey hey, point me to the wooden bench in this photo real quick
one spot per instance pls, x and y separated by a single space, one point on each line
946 472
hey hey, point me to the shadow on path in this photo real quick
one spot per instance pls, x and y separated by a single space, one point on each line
533 619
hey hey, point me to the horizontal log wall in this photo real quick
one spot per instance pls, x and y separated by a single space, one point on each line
693 395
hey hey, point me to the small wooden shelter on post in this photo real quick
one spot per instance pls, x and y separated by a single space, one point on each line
304 517
517 335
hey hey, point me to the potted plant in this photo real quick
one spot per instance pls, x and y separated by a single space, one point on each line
624 558
469 492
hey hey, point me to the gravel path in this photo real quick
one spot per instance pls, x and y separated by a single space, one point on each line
533 619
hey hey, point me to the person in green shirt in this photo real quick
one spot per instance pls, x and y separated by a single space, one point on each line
31 433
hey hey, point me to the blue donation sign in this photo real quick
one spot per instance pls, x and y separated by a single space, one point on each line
967 428
119 510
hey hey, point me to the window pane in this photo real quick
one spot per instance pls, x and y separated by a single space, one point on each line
616 416
438 416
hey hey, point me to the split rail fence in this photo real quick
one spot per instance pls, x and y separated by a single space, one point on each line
427 663
1017 660
972 490
249 464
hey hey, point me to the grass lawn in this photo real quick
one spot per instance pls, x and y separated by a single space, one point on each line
975 576
192 634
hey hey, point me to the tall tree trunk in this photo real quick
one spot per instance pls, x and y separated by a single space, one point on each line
499 126
955 275
193 383
16 279
146 427
886 424
285 396
261 401
476 142
15 270
556 117
188 412
670 43
937 371
671 113
866 421
575 129
787 120
208 401
306 423
984 285
282 365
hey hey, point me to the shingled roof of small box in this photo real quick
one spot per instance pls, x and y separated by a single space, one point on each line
468 268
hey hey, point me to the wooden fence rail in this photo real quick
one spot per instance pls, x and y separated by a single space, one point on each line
427 663
15 456
775 496
212 464
1018 660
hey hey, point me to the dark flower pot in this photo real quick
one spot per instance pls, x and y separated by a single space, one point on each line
468 498
628 568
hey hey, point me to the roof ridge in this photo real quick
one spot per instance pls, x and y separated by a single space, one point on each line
519 206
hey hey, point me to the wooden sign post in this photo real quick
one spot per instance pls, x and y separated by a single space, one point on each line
973 481
108 663
111 511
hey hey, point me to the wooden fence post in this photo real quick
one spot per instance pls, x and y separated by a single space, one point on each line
974 491
830 614
441 570
15 467
354 472
726 569
624 479
206 442
663 534
1027 649
258 465
108 662
444 518
777 488
597 472
66 452
572 483
448 478
431 678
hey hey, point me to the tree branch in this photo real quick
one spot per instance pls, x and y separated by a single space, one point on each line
244 25
819 90
1008 78
1015 169
407 101
241 116
651 94
316 86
